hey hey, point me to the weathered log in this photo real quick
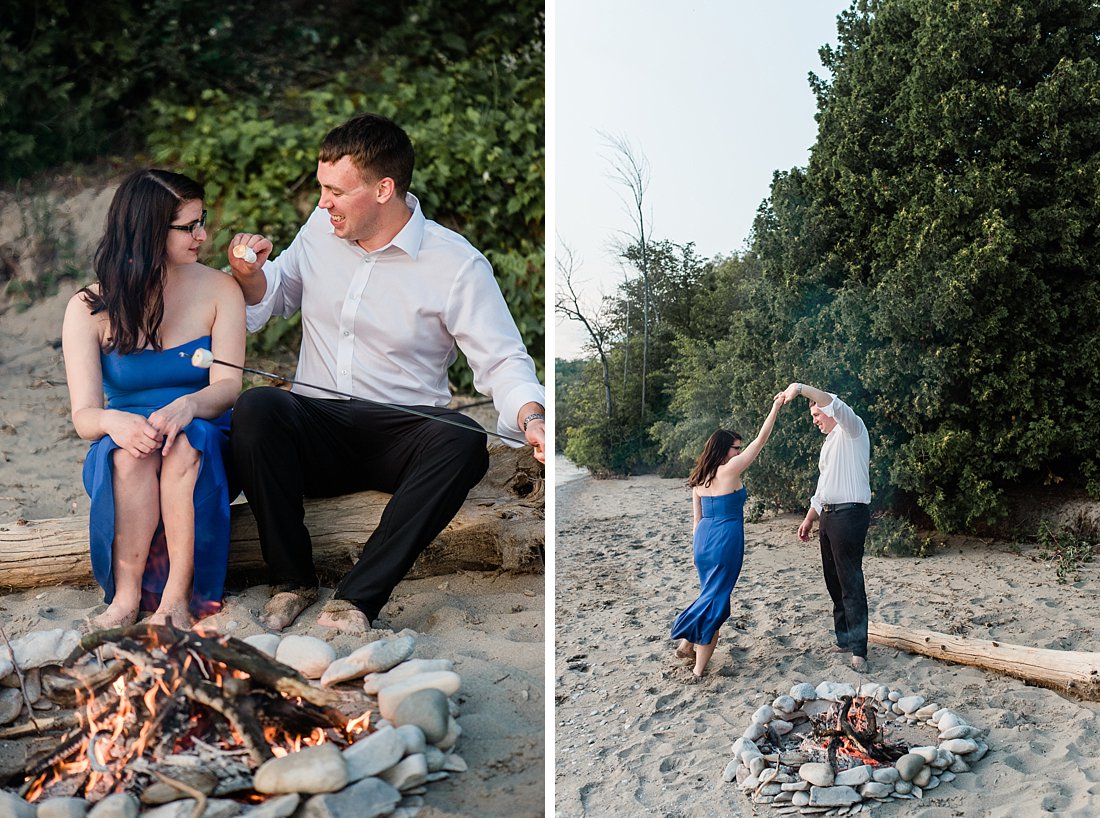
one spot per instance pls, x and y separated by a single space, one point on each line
1076 673
500 526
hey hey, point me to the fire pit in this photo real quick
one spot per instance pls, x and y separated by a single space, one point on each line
834 750
151 715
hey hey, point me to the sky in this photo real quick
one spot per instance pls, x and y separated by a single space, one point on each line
714 94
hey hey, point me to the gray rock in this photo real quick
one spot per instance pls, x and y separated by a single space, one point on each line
948 720
413 738
960 746
215 808
958 731
376 657
909 765
438 776
757 765
455 763
946 777
928 753
119 805
923 776
803 692
959 766
281 806
781 726
801 799
373 682
41 648
795 786
265 643
874 789
310 770
371 755
820 775
390 697
886 775
410 773
308 655
368 798
978 754
32 684
454 730
730 773
63 808
785 704
436 758
11 704
854 777
763 714
755 731
903 787
12 806
910 704
160 793
6 666
741 745
427 709
833 796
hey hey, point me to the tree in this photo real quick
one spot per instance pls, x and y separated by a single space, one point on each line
568 304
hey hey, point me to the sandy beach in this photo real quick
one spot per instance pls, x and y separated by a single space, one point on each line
491 625
634 739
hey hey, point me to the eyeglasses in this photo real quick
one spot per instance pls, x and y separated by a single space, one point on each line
193 228
736 446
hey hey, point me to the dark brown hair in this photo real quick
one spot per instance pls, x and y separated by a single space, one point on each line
378 147
132 257
714 452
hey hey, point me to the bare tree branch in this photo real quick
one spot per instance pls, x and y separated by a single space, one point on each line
567 303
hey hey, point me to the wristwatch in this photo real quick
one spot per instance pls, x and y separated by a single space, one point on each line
532 416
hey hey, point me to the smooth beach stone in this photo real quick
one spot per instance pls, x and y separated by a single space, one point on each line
948 720
943 759
373 682
427 709
939 714
160 793
410 773
371 755
784 704
11 704
801 799
742 745
267 643
868 690
412 737
454 730
827 691
455 763
63 808
310 770
820 775
946 777
894 696
12 806
118 805
923 776
959 766
281 806
781 726
435 758
764 714
960 746
874 789
903 787
41 648
909 704
844 689
32 685
927 753
917 792
926 711
909 765
755 731
757 765
750 783
978 754
375 657
853 777
369 798
769 790
931 784
886 775
730 773
308 655
959 731
446 682
833 796
803 692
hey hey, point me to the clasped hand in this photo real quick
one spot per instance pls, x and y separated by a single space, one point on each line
170 420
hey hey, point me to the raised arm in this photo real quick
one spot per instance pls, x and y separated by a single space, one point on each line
745 459
837 409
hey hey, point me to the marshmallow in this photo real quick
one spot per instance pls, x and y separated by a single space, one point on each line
202 358
245 252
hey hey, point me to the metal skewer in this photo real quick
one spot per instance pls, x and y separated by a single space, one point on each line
204 358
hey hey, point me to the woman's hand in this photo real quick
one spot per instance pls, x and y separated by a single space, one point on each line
170 420
133 433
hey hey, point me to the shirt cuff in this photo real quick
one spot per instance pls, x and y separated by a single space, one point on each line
509 407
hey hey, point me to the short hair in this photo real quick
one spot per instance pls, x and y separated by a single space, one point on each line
377 145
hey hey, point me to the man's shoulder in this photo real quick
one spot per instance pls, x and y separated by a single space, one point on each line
440 239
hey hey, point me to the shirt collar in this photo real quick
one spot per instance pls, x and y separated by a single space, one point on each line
410 237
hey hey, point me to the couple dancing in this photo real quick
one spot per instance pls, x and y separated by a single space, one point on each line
840 505
385 295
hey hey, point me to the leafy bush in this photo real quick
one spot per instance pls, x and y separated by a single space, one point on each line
890 536
1068 547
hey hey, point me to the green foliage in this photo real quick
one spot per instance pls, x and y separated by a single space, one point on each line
1068 547
890 536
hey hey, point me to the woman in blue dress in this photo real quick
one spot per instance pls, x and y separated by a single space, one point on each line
159 523
718 500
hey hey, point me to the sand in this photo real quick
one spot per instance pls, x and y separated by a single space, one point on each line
634 739
492 626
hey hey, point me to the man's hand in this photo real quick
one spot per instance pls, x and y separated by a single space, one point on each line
807 526
250 275
536 436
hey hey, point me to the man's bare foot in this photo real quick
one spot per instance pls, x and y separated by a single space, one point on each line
344 616
175 616
285 606
116 616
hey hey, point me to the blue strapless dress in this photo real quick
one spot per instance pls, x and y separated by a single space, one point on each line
142 383
719 546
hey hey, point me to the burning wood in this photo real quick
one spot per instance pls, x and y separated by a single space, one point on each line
168 693
854 735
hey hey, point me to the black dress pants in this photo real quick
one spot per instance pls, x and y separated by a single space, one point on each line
843 534
287 447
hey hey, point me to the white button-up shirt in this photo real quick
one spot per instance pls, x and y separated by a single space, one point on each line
384 325
844 459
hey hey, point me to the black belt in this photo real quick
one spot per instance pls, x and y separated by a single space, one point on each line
828 507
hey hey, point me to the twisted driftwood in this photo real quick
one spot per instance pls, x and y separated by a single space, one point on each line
500 526
1074 672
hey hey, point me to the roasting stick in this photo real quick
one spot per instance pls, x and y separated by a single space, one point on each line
204 359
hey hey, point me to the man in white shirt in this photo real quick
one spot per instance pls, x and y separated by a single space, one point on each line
842 505
386 295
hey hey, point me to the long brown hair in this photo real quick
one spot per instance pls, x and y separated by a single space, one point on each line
132 258
714 452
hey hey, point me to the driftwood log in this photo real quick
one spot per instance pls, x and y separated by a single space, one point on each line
1076 673
500 526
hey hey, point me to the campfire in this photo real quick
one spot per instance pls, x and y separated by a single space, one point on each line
831 749
162 714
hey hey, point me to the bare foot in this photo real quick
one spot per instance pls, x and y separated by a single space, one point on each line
285 606
344 616
117 615
859 663
175 616
686 650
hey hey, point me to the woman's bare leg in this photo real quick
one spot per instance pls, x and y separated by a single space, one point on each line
137 512
178 474
703 654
